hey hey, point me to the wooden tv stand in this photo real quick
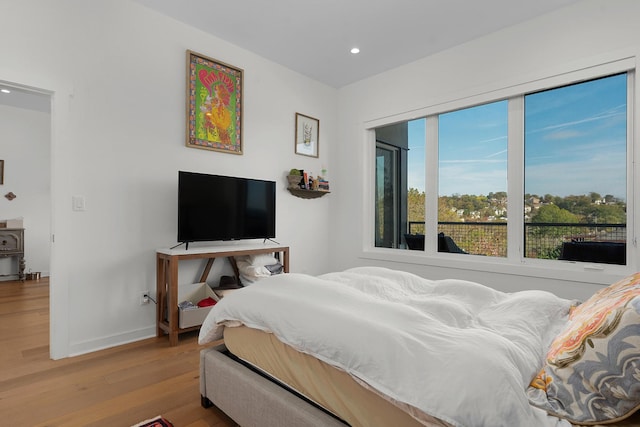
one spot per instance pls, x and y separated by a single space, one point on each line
167 261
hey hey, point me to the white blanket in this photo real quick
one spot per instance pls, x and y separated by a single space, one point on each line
455 350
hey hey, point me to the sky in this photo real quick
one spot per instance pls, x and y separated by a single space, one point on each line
575 143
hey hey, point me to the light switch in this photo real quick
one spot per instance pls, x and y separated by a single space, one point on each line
78 203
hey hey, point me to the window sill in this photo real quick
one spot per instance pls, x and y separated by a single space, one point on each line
572 271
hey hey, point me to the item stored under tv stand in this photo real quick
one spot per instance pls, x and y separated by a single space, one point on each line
167 261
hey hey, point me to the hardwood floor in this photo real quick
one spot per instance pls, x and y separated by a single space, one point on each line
120 386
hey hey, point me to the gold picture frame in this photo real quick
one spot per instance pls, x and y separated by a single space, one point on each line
214 104
307 136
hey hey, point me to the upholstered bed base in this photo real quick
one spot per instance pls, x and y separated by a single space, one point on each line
252 400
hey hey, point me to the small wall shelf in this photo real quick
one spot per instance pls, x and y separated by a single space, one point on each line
307 194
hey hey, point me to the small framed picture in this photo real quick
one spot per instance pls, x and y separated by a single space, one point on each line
307 135
1 172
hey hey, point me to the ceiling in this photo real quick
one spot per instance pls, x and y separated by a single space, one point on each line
314 37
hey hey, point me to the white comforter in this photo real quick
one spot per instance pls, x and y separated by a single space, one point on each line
455 350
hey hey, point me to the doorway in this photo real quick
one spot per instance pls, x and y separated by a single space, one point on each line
25 188
386 199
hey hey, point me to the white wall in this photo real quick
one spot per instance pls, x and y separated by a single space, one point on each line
587 33
117 74
25 148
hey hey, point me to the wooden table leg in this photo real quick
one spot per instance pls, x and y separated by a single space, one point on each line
161 283
285 261
172 301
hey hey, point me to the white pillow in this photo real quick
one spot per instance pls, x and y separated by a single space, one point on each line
262 260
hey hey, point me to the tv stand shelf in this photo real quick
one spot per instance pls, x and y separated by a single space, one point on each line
167 261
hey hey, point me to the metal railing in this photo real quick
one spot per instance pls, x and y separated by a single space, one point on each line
542 240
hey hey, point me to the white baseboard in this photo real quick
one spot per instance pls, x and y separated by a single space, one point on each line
89 346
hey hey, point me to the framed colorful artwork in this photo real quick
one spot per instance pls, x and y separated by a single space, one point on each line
214 104
307 134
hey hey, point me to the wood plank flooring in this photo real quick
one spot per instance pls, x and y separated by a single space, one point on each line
120 386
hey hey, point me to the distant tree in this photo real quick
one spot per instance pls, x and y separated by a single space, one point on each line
578 205
447 212
556 200
553 213
606 214
415 205
500 195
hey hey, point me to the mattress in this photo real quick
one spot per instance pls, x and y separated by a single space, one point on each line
331 388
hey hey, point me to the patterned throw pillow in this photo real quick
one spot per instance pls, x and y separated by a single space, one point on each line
592 370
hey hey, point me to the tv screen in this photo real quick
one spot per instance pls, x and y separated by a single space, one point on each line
215 207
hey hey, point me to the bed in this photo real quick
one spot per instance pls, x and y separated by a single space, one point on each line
377 347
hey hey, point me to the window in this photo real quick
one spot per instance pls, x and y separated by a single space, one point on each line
472 196
575 171
570 145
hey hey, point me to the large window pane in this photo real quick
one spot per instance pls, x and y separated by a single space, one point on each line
416 176
400 177
575 172
472 202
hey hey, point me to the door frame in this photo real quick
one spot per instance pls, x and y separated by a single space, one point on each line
60 98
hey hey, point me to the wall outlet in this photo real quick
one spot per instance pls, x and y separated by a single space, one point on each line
144 298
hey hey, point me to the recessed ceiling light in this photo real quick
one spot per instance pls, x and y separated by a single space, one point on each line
5 91
355 50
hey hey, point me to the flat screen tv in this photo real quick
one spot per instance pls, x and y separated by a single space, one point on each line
215 207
